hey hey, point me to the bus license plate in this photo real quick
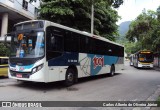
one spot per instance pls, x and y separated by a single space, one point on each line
19 75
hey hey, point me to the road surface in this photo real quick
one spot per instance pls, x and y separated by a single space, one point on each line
130 84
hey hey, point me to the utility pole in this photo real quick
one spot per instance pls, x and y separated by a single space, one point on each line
92 17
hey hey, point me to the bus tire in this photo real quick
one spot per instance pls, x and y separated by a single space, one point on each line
112 71
70 77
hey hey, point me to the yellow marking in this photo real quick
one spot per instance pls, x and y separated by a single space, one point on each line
145 52
146 63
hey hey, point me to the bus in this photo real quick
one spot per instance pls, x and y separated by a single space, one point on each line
3 66
44 51
131 60
143 59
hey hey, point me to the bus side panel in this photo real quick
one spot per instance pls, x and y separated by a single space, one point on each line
3 70
85 65
53 73
100 61
62 72
105 69
92 64
120 64
58 66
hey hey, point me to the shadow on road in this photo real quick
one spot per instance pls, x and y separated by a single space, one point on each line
97 77
59 85
3 77
145 68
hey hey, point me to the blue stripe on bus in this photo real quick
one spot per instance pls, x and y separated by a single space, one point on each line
66 59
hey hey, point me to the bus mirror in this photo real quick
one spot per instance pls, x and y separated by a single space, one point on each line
7 40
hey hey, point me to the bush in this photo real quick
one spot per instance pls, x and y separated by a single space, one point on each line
4 51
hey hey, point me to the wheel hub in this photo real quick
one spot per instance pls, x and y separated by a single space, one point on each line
70 77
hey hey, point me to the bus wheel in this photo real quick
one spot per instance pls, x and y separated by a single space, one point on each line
112 71
70 77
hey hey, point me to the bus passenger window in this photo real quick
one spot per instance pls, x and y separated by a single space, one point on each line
52 41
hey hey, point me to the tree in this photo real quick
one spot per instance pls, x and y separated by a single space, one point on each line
77 14
4 51
143 30
114 3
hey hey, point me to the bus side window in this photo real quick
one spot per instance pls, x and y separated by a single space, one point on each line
52 39
86 44
4 61
54 42
71 42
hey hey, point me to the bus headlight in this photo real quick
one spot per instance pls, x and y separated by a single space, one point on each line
34 70
37 68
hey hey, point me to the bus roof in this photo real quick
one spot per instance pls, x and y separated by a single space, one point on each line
74 30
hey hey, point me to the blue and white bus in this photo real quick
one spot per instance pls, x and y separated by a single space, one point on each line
43 51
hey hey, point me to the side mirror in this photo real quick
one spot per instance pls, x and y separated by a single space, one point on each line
7 40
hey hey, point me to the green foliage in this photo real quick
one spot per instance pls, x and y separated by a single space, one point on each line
115 3
144 31
77 14
4 51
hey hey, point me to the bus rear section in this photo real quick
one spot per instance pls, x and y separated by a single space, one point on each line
3 66
143 59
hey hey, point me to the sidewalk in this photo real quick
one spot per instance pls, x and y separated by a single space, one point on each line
156 68
156 94
155 108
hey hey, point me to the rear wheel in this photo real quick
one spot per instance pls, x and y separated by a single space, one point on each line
112 71
70 77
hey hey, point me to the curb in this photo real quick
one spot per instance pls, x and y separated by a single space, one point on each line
154 97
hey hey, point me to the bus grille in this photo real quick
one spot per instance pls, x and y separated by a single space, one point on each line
24 74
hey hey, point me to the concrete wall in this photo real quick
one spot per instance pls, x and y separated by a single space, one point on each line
16 5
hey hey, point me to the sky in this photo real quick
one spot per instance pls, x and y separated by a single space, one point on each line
132 8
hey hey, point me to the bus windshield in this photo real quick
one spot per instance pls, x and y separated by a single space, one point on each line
27 45
145 57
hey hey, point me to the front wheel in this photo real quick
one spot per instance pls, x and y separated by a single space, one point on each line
70 77
112 71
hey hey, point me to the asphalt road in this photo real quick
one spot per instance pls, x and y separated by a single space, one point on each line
130 84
